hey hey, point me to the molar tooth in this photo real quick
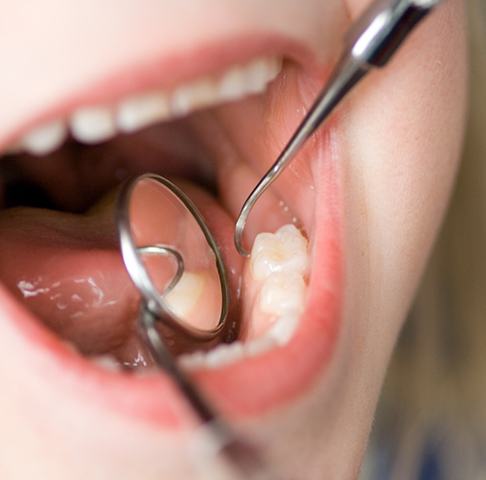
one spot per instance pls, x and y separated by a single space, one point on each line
283 293
224 354
259 345
186 294
284 251
138 112
192 361
45 138
92 124
283 329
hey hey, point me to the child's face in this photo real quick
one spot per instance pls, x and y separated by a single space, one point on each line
369 190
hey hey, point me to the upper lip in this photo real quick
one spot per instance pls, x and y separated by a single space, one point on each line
157 399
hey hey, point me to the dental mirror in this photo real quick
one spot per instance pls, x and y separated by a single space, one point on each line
173 260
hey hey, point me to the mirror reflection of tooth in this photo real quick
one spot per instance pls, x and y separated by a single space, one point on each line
184 297
282 294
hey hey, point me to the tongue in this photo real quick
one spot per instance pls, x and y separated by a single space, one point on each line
68 270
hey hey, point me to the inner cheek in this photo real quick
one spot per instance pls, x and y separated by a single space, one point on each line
258 130
96 324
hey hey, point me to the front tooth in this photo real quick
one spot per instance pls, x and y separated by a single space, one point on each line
190 97
92 124
44 139
282 294
283 251
183 298
138 112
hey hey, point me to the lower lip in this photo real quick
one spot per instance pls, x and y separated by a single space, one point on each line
243 389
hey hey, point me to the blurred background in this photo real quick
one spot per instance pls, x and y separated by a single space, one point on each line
431 421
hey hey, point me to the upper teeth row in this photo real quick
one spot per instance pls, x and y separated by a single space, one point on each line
98 123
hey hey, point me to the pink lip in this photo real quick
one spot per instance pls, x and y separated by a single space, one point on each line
245 388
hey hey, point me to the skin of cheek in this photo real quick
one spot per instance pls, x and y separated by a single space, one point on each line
402 134
405 134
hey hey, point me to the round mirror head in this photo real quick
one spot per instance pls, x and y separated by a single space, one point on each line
172 258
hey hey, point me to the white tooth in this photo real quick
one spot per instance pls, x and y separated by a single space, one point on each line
257 75
138 112
44 139
259 345
274 67
107 362
221 355
187 98
192 361
224 354
232 84
283 329
284 251
92 124
282 293
186 294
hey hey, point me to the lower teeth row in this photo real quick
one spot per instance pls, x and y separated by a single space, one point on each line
276 278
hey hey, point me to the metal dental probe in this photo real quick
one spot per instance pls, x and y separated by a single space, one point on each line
371 42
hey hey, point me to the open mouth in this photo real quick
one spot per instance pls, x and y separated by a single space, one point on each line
69 306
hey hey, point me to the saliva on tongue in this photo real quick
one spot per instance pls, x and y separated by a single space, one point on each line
67 269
